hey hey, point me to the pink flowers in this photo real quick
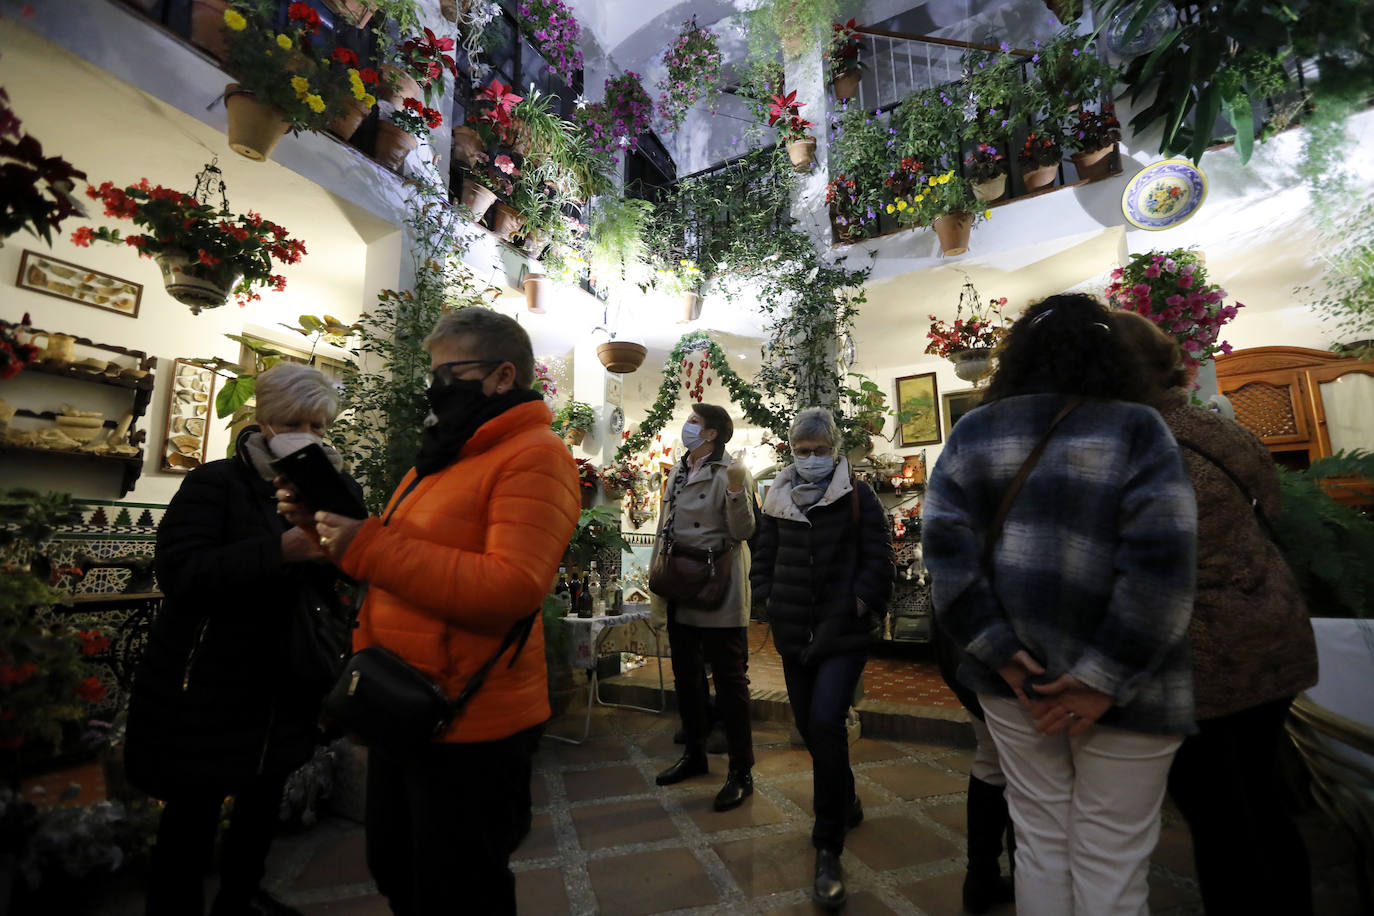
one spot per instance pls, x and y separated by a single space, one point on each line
506 164
693 64
552 26
1171 289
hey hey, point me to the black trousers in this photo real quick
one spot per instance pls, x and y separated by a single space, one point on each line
727 649
1225 780
186 842
443 821
820 695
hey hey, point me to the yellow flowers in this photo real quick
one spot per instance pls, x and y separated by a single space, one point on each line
918 198
359 88
283 42
369 100
301 85
901 204
987 214
234 19
890 208
315 102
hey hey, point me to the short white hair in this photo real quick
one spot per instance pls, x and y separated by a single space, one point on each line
292 393
814 423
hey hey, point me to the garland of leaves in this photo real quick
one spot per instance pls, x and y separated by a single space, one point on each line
741 392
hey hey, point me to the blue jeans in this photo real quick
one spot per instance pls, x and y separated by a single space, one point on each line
820 695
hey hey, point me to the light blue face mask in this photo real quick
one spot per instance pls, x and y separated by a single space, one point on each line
815 468
691 436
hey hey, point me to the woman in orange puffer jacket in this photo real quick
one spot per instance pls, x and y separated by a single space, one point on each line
468 546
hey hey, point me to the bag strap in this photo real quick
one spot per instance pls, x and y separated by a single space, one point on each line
517 636
1244 490
400 499
1000 519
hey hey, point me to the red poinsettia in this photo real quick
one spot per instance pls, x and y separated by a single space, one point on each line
427 57
785 115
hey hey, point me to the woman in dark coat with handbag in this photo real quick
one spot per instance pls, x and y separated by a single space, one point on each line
823 565
224 703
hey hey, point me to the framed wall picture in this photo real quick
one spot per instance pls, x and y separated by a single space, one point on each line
65 280
954 404
918 396
189 409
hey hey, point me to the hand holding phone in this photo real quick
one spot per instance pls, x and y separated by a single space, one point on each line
317 484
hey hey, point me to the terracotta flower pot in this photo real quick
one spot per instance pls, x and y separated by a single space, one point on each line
847 84
192 283
254 128
621 356
347 125
1094 163
953 230
535 243
1042 177
356 13
407 87
992 189
478 198
972 365
507 221
536 293
691 307
467 144
393 145
801 152
574 436
207 27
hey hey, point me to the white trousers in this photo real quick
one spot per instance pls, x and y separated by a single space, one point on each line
1085 809
985 764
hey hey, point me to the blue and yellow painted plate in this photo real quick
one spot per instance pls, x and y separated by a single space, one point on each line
1162 195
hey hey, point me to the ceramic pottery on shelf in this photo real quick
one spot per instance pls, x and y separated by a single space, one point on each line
992 189
847 84
801 152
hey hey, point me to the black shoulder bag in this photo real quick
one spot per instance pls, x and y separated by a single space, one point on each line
387 703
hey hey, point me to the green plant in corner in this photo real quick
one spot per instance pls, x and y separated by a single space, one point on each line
1327 544
574 415
597 533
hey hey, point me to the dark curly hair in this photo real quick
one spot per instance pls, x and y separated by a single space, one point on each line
1064 344
1158 354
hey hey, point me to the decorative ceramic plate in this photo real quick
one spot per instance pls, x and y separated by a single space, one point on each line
1154 28
1164 194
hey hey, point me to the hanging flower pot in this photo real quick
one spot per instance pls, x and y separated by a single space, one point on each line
507 221
574 436
972 365
536 288
207 27
347 124
254 128
846 84
801 152
393 145
478 198
192 283
1041 177
621 356
953 230
467 145
691 307
992 189
356 13
1094 163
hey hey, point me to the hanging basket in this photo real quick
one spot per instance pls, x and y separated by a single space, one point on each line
846 84
346 126
192 283
254 128
621 356
356 13
467 145
207 27
801 152
393 146
536 288
1094 163
972 365
1043 177
478 198
953 230
992 189
507 221
691 307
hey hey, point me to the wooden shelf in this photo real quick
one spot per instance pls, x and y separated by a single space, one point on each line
133 464
76 373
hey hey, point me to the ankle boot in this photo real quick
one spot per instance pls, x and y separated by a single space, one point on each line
691 763
984 886
738 786
828 891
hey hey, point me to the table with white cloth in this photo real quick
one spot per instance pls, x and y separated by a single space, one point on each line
586 638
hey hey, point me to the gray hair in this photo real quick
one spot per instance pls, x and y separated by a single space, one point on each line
491 335
291 393
814 423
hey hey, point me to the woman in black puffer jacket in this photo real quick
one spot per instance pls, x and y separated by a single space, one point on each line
823 564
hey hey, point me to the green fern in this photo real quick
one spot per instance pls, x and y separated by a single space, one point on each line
1328 545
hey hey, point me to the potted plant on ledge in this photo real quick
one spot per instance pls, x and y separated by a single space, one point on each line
683 280
400 134
944 202
1039 159
845 63
1094 138
785 115
573 421
987 172
969 343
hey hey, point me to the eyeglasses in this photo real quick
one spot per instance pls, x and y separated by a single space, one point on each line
820 451
443 375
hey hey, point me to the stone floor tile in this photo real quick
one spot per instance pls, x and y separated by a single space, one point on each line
593 750
371 905
342 860
954 816
607 782
781 761
867 750
645 882
633 722
756 811
540 844
778 733
769 864
541 893
943 895
622 823
863 903
539 791
799 791
885 843
915 780
659 745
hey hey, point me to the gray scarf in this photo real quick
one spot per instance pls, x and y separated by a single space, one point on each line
805 495
255 447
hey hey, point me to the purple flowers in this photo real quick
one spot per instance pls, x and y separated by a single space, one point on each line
693 64
552 25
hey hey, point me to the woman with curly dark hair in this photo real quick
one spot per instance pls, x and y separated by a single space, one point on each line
1059 529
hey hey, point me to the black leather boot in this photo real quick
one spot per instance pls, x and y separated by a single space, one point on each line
984 886
828 891
738 786
691 763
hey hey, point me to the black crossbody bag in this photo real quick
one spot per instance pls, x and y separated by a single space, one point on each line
385 702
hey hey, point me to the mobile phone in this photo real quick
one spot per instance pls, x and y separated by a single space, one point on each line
1031 682
317 483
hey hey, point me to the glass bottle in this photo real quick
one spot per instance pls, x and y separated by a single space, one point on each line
562 592
597 592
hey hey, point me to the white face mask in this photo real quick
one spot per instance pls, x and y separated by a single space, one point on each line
283 444
815 468
691 436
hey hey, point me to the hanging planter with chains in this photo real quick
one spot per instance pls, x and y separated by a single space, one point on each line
969 342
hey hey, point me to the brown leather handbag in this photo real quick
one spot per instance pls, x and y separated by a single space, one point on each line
688 575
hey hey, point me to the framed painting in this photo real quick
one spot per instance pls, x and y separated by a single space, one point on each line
954 404
65 280
919 398
189 406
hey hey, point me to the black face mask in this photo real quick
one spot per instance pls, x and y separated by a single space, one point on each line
460 408
453 400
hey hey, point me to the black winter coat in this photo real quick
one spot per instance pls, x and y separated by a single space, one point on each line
811 567
215 702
